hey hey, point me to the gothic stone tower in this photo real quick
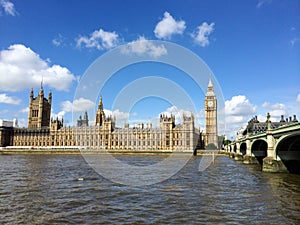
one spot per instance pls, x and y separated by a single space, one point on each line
39 110
107 123
167 123
100 115
210 103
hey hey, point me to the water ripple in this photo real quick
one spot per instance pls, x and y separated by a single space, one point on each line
48 189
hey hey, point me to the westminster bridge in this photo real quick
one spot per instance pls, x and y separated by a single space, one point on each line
276 146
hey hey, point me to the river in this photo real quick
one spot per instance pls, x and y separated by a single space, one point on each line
57 189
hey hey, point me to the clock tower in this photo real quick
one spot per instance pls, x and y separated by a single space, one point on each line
210 104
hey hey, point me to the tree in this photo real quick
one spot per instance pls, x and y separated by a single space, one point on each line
211 146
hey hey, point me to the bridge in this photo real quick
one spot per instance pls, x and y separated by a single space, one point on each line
276 146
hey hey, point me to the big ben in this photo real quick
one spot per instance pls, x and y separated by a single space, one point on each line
210 103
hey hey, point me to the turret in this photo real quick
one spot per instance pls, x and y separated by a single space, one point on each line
100 115
85 117
100 105
30 108
31 94
167 122
50 97
42 90
40 110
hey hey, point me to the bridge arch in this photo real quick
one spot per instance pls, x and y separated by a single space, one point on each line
243 148
259 149
288 149
285 141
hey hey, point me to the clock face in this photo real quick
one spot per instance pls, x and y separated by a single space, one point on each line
210 103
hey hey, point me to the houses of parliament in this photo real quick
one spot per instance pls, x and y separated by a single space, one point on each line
44 131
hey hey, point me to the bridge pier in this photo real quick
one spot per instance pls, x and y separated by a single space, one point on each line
271 163
249 159
248 145
238 155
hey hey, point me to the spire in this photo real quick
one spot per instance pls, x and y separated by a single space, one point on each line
42 83
31 93
210 83
210 89
42 88
100 105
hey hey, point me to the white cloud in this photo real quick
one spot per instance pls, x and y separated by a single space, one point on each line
263 2
298 98
22 122
25 110
21 69
8 7
239 106
238 111
273 106
201 34
236 119
4 111
9 100
58 40
120 116
294 41
169 26
263 118
58 115
276 113
78 105
143 46
99 39
275 110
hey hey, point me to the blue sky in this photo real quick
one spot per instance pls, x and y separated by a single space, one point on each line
252 47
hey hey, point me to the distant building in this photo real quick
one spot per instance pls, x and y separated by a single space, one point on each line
83 122
6 123
169 136
254 126
6 130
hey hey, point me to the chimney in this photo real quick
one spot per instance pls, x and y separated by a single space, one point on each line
295 119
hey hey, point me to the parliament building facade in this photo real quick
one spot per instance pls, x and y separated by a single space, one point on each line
43 131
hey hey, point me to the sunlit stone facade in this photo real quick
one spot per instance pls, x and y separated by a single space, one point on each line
104 134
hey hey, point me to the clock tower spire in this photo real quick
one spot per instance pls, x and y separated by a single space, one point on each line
210 104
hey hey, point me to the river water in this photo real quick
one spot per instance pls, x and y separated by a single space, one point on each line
45 189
